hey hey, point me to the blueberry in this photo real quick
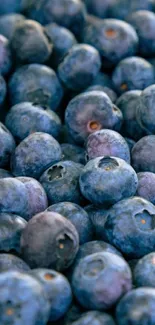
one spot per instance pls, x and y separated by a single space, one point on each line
22 300
103 79
8 23
98 217
144 23
5 56
100 280
146 186
7 145
11 227
128 103
73 153
35 83
94 317
26 118
68 13
144 272
133 73
23 45
11 6
107 180
77 216
143 155
13 196
112 95
49 240
5 173
73 314
35 154
146 109
136 307
129 226
90 112
9 262
121 10
130 143
79 67
58 291
62 40
61 182
98 8
107 143
3 90
107 35
37 199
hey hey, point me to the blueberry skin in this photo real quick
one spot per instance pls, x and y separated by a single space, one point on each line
107 143
35 83
130 143
90 112
98 8
68 13
58 291
121 10
12 6
5 173
128 103
94 317
107 35
26 118
61 182
145 110
23 45
98 217
107 180
62 39
5 56
100 280
35 154
8 24
146 186
3 90
143 156
49 241
112 95
37 199
129 226
73 153
9 262
13 196
77 216
79 67
7 145
133 73
144 272
144 23
103 79
11 227
137 307
22 300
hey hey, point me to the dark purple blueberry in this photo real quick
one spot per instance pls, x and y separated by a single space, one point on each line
7 145
50 241
144 272
9 262
73 153
146 186
143 154
35 154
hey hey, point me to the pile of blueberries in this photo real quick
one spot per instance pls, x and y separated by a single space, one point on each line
77 162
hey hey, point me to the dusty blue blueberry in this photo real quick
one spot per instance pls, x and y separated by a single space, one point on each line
112 95
100 280
11 227
5 173
26 118
3 90
143 154
35 154
8 24
107 180
78 217
62 40
73 153
94 317
61 182
35 83
146 186
129 226
98 8
13 196
146 110
128 104
7 145
49 241
5 56
137 307
12 6
134 73
90 112
121 9
107 35
68 13
9 262
130 143
58 291
23 46
22 300
144 23
79 67
37 199
107 143
144 272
